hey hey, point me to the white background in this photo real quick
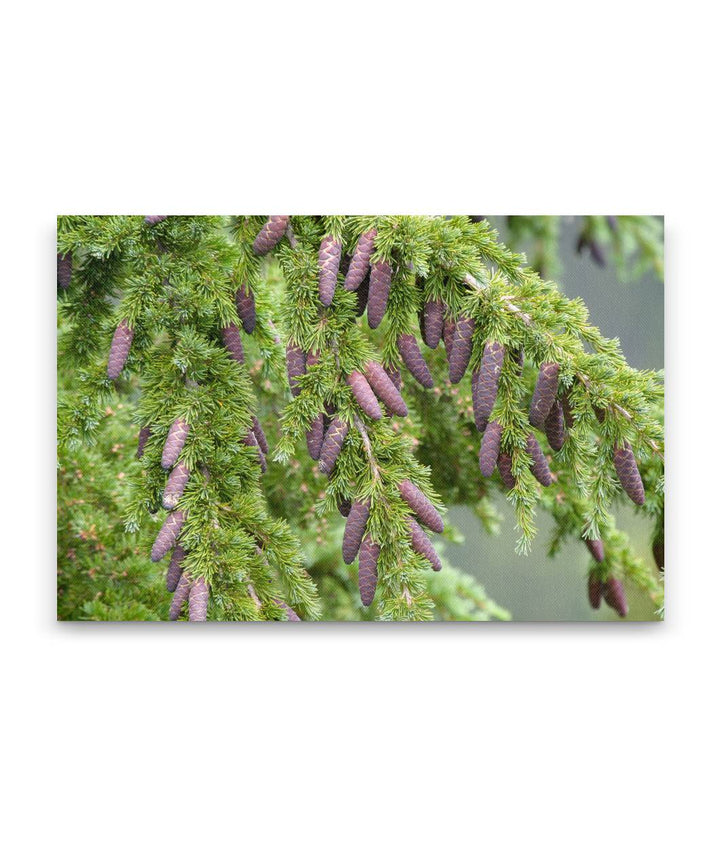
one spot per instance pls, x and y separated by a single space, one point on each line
344 739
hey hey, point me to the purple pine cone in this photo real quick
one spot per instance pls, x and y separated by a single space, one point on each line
378 293
154 219
181 595
596 548
175 567
544 394
627 469
168 534
595 592
233 342
354 531
433 313
296 366
490 448
367 570
199 595
64 270
314 436
504 465
414 360
614 594
539 467
270 234
143 437
119 349
393 372
344 506
363 292
485 383
385 389
329 263
461 348
332 444
364 396
424 510
555 426
245 303
177 435
422 545
175 486
260 435
448 336
360 262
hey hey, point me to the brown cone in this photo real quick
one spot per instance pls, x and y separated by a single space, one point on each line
175 567
485 383
175 486
461 348
504 465
233 342
270 234
433 322
360 262
414 360
539 467
260 435
385 389
314 436
329 264
143 437
177 435
245 303
378 293
344 505
555 426
168 534
119 349
181 595
332 445
295 359
422 545
544 394
364 396
490 448
627 470
199 595
596 548
354 531
424 510
367 570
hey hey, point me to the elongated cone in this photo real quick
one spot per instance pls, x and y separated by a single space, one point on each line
344 505
177 435
233 342
518 356
596 548
245 303
167 536
385 389
544 394
260 435
354 531
119 349
314 436
485 383
490 448
251 440
504 465
329 263
567 411
64 270
270 234
175 486
627 469
555 426
378 293
332 444
414 360
360 262
393 372
175 567
448 336
295 359
614 594
658 548
289 611
143 437
539 467
364 395
154 219
422 545
461 348
424 510
595 592
363 292
199 596
367 570
181 595
433 317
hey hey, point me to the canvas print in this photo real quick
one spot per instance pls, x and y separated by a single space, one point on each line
360 418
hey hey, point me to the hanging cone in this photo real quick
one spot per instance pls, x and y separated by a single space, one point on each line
245 303
270 234
363 292
490 448
567 411
329 263
658 549
614 594
485 383
199 595
314 436
233 342
175 486
393 372
596 548
332 444
64 270
143 437
627 470
364 396
448 336
414 360
539 467
504 465
175 567
354 531
119 349
181 595
545 393
433 322
360 262
344 505
422 545
555 426
155 219
424 510
378 293
177 435
295 359
168 534
251 440
595 592
461 348
385 389
260 435
367 570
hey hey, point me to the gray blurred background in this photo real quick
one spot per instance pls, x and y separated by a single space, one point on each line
534 587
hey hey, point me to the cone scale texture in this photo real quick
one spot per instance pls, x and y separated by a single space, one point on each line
504 465
539 466
177 435
175 568
544 394
422 545
181 595
245 303
424 510
627 470
364 395
314 436
414 360
143 437
344 505
260 435
596 548
168 534
433 313
367 570
295 359
354 531
175 486
64 270
332 445
154 219
555 426
485 383
119 349
198 600
490 448
383 386
270 234
233 342
363 292
360 262
378 292
329 264
448 336
461 348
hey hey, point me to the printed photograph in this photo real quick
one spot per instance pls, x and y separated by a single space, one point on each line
297 418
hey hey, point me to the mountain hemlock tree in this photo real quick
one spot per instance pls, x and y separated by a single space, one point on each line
260 393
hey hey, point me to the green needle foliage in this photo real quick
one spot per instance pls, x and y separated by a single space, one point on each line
267 544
